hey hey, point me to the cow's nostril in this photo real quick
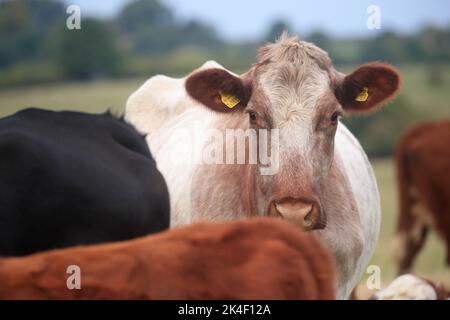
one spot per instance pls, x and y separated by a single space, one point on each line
288 209
305 214
309 219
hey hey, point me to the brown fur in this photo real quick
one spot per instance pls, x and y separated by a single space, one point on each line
251 259
441 291
205 86
382 81
423 176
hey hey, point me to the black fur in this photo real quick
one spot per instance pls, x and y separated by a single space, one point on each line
70 178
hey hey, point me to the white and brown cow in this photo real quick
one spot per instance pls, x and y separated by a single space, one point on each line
324 181
423 180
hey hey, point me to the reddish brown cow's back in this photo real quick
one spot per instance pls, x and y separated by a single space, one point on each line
252 259
423 171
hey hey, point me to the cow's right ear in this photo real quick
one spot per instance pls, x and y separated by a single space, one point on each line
219 90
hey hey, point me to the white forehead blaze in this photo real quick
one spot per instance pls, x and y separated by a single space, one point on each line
293 91
295 99
293 75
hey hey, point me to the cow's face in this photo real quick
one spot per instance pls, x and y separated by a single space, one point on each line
295 89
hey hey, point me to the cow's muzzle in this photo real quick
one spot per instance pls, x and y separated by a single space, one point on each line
305 213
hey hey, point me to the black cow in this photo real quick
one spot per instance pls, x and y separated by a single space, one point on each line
69 178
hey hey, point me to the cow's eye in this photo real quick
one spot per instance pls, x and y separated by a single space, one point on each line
335 117
252 116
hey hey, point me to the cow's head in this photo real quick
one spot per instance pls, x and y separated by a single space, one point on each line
295 88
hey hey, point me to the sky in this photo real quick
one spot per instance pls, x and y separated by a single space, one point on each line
250 19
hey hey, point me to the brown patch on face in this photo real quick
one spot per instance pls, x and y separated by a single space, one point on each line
206 87
380 81
327 107
260 105
294 186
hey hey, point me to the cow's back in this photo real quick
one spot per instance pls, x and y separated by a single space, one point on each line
251 259
70 178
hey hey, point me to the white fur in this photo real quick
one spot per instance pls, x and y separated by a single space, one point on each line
363 184
407 287
163 143
158 100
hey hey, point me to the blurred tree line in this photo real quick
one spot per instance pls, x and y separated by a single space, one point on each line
146 38
34 36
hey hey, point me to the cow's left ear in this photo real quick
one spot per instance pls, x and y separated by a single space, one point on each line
369 87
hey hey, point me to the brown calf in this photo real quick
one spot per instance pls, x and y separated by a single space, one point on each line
253 259
423 174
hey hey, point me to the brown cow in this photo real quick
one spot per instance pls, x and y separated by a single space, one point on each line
423 174
260 258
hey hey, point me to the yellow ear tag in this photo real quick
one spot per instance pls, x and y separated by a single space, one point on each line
229 100
362 97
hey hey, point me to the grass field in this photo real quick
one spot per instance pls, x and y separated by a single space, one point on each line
95 96
99 96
